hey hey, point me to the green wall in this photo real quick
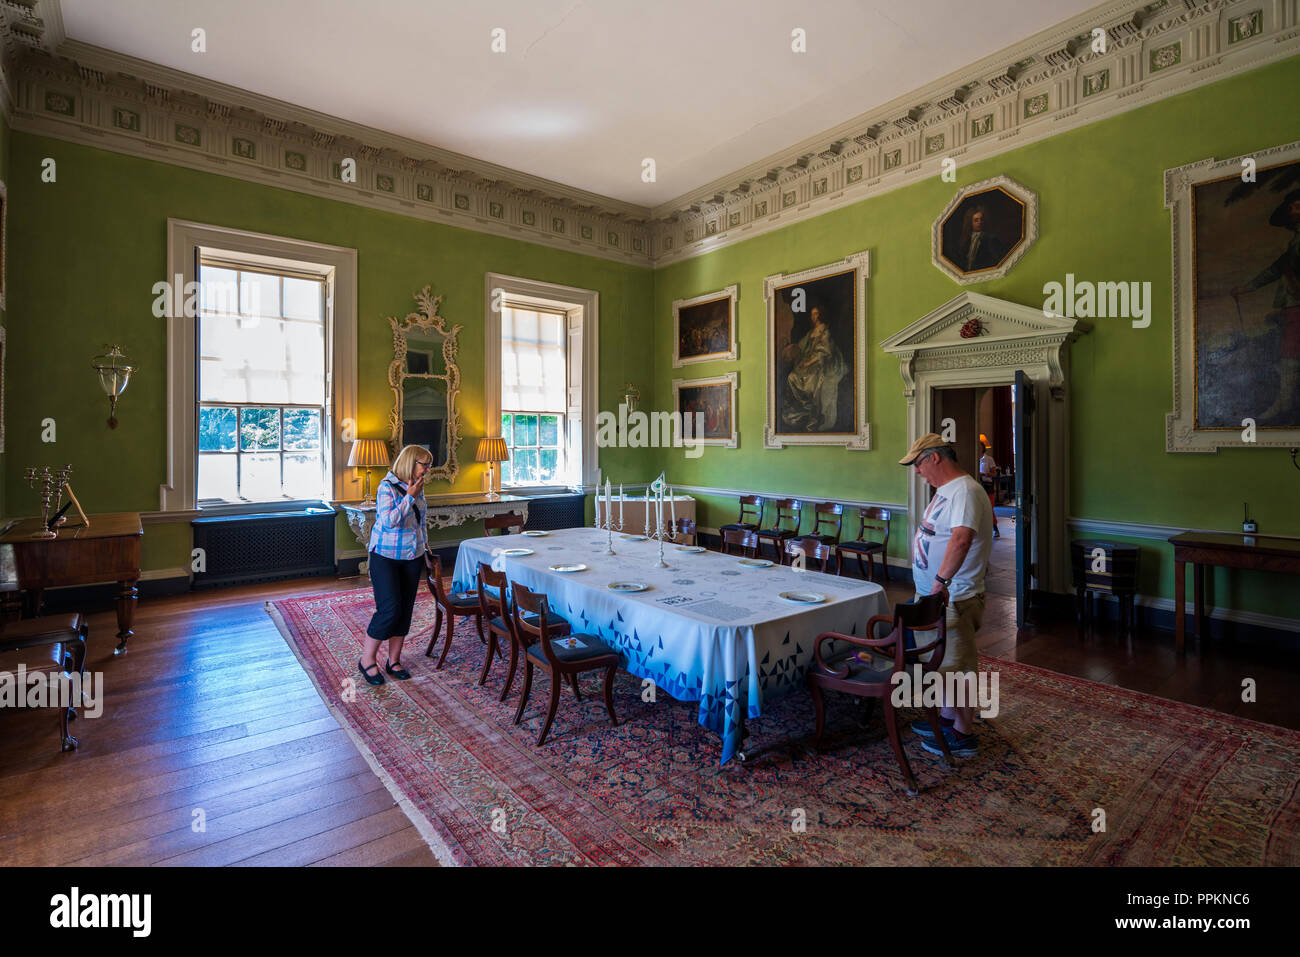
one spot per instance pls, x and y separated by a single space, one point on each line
1101 217
93 243
4 176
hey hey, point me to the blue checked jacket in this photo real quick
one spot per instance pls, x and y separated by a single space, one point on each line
399 531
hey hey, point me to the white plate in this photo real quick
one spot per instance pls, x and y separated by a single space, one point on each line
576 567
634 538
536 534
693 549
627 586
803 597
516 552
755 563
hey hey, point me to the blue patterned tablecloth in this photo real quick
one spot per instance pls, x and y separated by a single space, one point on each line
708 629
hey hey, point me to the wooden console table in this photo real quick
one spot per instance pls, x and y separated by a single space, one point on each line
1228 550
108 550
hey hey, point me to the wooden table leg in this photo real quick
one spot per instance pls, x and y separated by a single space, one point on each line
1198 575
127 595
1180 599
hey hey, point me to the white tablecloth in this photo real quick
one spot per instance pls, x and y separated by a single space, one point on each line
709 629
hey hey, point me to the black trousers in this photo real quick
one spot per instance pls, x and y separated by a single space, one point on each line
396 583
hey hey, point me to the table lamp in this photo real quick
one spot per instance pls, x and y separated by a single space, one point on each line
368 454
492 451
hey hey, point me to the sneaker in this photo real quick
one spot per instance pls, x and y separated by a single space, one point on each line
961 747
922 729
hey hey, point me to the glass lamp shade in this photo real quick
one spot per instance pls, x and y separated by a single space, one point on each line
114 370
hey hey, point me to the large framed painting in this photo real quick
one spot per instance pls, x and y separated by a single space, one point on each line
704 328
1236 298
817 356
714 400
984 230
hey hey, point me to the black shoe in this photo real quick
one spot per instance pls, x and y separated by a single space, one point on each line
376 678
922 729
400 673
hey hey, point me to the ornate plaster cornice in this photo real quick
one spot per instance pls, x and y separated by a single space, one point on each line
1038 87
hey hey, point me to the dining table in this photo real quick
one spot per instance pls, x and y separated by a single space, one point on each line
728 632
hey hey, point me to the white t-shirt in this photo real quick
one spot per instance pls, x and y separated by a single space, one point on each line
961 502
987 465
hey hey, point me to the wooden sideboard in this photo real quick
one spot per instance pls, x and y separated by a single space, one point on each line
106 551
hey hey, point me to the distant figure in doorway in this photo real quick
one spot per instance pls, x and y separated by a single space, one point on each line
989 473
950 555
397 545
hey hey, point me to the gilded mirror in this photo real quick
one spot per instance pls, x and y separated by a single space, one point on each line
425 382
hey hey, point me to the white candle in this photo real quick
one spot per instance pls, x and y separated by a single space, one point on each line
659 512
609 503
620 503
598 498
647 512
672 505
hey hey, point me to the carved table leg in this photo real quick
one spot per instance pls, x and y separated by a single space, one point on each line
127 595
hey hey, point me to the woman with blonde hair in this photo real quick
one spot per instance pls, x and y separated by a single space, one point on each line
397 545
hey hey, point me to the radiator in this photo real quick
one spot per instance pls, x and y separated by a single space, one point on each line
550 512
243 549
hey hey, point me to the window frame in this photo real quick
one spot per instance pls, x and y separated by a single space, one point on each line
562 445
187 242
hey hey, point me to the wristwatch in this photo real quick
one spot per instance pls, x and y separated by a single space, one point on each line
943 581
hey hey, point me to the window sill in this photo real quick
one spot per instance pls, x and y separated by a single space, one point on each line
251 509
536 491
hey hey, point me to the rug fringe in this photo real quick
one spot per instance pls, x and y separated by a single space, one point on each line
422 824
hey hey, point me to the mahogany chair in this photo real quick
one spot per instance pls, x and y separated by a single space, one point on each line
828 522
503 624
787 510
751 514
51 645
493 602
850 671
685 530
810 548
556 657
746 540
876 522
505 522
453 606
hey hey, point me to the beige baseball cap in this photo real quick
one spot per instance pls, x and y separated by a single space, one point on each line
931 440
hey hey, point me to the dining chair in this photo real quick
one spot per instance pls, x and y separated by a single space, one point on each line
505 521
453 606
746 540
809 548
502 623
560 656
787 510
751 514
850 671
685 530
493 602
876 521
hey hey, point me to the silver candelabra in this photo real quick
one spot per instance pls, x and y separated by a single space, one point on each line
656 495
51 482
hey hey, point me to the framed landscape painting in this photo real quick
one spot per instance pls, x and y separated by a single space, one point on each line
817 356
1236 249
714 401
704 328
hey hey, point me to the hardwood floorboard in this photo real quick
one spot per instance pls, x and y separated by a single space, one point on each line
377 851
340 839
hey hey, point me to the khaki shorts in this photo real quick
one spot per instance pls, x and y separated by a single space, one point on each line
960 654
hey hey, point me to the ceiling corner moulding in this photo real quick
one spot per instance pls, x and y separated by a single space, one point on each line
1047 84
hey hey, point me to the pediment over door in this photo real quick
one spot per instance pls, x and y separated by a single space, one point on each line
974 331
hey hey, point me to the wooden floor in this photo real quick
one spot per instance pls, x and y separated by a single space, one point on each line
211 711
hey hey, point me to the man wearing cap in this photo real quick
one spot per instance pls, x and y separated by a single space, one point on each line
950 555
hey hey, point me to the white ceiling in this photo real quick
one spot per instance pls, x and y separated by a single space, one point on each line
585 90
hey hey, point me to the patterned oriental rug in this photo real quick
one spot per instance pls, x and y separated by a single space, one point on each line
1171 783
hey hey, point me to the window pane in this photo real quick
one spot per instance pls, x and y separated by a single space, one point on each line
525 430
216 430
301 431
302 298
525 467
217 477
260 430
302 475
219 290
550 430
259 294
506 419
507 475
549 468
259 479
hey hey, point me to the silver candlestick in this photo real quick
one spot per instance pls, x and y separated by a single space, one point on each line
51 482
661 534
608 525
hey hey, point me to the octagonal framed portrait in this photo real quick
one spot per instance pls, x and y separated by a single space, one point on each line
985 230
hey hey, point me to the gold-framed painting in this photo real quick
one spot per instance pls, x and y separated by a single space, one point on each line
704 327
713 400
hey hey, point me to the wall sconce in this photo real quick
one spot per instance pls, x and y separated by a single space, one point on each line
492 451
368 454
631 397
114 371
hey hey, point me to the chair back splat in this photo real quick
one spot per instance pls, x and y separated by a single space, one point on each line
505 522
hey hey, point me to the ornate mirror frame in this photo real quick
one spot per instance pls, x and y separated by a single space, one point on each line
428 322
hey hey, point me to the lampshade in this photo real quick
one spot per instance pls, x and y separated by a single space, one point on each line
114 371
492 450
368 453
984 439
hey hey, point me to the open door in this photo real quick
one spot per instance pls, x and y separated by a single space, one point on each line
1022 398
